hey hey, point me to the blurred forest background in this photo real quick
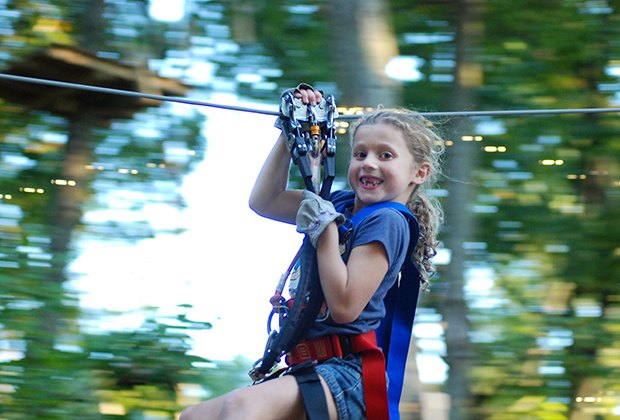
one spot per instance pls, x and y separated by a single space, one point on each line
523 320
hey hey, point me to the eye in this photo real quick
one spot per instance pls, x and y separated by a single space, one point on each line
359 154
386 155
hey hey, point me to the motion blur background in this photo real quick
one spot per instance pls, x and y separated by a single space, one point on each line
134 280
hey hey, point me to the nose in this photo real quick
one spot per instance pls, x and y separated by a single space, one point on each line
369 162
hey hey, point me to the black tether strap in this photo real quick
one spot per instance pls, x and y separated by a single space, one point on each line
311 390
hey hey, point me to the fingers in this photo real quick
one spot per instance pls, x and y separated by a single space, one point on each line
308 96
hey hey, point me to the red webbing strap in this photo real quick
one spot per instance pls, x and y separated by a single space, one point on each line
319 349
373 366
373 375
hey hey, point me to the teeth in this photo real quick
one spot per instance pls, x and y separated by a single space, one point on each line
370 182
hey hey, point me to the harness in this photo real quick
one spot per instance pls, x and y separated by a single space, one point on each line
384 350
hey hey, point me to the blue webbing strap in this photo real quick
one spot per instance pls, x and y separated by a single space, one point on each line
394 333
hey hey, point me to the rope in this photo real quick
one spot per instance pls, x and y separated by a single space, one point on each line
111 91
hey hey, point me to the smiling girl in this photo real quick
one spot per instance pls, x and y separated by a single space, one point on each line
395 157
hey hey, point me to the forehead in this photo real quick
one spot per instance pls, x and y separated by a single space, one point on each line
382 134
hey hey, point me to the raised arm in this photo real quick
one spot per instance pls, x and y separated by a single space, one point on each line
270 197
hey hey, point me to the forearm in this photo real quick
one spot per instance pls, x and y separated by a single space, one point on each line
334 276
269 197
348 287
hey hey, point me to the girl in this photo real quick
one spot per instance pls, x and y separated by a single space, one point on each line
394 156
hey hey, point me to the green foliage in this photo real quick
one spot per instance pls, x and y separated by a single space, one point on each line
51 367
545 329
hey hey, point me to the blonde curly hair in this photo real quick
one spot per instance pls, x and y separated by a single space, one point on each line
425 145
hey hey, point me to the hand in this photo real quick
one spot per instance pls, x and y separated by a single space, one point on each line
314 215
303 91
307 94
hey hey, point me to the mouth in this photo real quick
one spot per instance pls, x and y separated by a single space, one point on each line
370 181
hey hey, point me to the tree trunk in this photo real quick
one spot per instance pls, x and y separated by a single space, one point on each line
462 158
243 21
362 42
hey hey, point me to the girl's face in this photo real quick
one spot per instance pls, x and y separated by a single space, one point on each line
382 168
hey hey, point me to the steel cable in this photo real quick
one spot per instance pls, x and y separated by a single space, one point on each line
188 101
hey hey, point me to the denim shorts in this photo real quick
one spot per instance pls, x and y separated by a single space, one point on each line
344 378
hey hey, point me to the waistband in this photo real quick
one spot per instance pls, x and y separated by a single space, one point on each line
333 345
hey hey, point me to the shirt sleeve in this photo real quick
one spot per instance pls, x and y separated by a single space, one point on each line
390 228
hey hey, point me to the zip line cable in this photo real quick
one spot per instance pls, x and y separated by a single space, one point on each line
122 92
188 101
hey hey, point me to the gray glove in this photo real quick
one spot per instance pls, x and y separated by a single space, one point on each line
314 215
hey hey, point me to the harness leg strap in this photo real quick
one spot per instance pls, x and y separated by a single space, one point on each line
311 390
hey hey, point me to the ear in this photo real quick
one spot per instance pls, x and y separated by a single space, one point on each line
421 174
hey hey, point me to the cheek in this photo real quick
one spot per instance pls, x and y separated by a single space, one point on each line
353 170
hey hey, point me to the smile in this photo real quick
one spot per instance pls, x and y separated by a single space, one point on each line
370 181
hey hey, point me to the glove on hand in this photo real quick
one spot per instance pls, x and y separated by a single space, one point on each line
314 215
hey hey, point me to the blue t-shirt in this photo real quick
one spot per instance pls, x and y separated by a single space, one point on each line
387 226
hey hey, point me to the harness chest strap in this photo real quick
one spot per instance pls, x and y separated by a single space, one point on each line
373 365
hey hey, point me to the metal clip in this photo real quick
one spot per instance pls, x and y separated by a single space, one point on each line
254 373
